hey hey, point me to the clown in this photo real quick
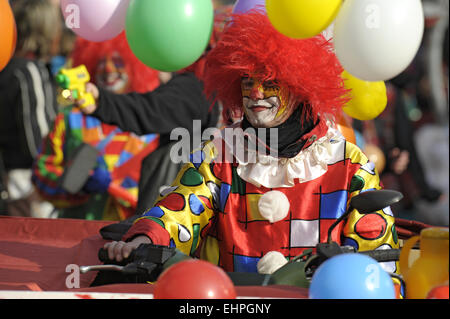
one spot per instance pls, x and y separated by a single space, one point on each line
113 67
253 216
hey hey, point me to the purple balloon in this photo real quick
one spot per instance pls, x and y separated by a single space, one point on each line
242 6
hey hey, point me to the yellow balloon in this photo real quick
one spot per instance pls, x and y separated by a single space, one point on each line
302 19
368 99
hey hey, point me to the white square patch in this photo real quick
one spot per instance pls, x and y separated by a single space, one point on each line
304 233
337 151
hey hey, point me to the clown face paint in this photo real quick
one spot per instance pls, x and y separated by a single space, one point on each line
111 74
265 103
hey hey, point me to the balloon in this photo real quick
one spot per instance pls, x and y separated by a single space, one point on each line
376 156
375 40
169 35
194 279
302 18
439 292
369 99
351 276
8 33
242 6
96 21
360 142
345 127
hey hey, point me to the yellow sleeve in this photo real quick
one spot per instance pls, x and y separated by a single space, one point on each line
375 230
186 208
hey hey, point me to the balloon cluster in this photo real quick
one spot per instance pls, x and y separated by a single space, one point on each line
165 35
375 40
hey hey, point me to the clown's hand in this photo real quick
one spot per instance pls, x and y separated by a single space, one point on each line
119 250
90 108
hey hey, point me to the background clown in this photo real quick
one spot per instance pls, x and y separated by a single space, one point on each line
251 216
113 67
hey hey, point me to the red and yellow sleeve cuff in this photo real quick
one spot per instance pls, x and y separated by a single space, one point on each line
144 226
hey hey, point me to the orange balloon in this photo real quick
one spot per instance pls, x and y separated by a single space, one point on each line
8 33
376 156
346 129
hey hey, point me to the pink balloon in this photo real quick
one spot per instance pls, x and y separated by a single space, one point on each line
95 20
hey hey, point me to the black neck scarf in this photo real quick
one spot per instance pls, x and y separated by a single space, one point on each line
290 133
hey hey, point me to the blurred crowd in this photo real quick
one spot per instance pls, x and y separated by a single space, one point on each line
412 132
40 132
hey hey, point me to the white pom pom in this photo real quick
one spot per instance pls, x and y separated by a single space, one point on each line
271 262
274 206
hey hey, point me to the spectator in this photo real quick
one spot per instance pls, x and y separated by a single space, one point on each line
396 130
28 102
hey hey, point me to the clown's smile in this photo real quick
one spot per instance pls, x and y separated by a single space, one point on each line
261 112
263 105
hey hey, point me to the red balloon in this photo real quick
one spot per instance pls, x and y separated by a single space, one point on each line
439 292
194 279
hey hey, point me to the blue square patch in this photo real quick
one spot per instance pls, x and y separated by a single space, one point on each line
245 263
333 205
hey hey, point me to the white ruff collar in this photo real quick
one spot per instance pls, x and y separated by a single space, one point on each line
309 164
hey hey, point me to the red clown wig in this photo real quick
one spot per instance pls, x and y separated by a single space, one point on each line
142 78
251 46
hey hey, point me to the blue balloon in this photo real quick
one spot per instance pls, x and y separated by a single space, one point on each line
351 276
360 142
242 6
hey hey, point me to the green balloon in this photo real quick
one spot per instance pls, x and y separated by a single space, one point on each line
169 35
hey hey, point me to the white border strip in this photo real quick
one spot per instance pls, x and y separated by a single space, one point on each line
18 294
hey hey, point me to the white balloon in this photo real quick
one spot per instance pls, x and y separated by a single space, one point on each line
328 32
375 40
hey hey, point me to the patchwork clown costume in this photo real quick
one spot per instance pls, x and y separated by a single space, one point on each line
238 211
222 213
113 67
116 148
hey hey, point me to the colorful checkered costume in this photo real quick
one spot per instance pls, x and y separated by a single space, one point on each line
210 211
70 129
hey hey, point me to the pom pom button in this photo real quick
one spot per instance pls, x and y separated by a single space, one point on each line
273 206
